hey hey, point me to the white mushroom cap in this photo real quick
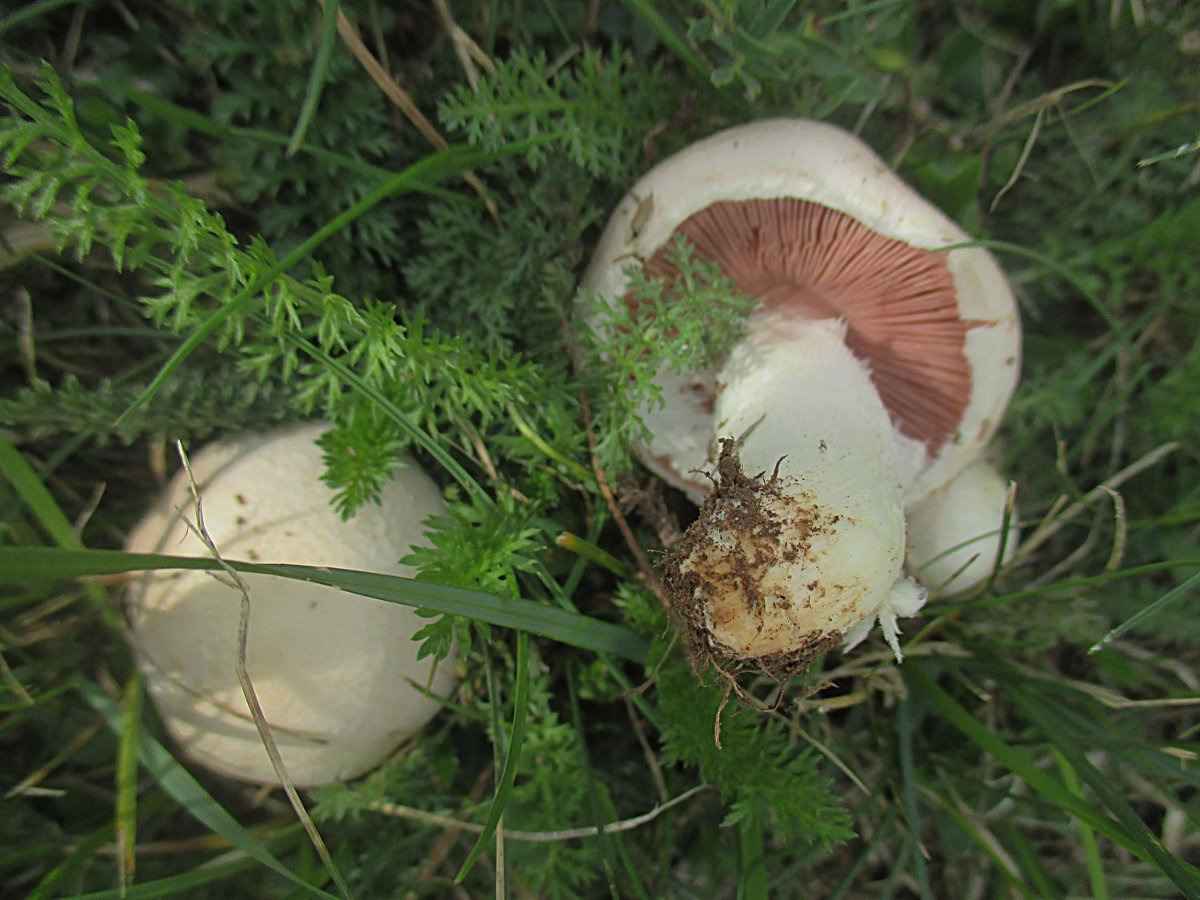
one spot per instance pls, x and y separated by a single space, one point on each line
955 533
331 669
820 164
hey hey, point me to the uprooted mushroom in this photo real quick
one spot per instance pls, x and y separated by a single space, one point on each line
877 364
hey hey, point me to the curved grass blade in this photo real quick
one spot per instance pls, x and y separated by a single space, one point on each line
189 793
37 499
670 38
587 550
865 855
1067 584
512 758
164 109
495 704
316 77
611 845
752 870
1126 828
1027 861
1087 838
32 11
905 725
19 564
52 885
190 119
1061 269
423 440
989 845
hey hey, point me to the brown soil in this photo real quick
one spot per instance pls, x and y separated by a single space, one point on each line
700 576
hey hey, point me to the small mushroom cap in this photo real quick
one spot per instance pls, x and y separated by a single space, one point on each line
330 669
955 533
826 185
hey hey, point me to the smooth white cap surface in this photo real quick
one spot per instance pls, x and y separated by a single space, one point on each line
954 534
330 669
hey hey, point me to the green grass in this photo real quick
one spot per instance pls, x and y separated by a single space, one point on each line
219 222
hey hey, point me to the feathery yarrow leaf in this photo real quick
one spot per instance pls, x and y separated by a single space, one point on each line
602 103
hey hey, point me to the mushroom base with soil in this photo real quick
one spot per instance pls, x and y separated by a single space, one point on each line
780 568
906 350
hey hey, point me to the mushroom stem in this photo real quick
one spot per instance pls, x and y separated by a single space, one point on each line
803 537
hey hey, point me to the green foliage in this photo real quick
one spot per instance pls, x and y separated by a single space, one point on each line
200 402
361 457
600 104
819 60
448 326
685 326
194 258
389 851
760 769
262 62
482 549
510 283
108 203
553 779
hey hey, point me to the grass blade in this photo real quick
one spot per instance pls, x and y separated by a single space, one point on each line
752 869
1147 613
37 499
1146 844
316 77
47 563
1087 838
418 436
608 843
175 885
671 40
31 11
912 811
512 758
987 842
164 109
1018 762
883 828
1061 269
45 509
85 848
1027 861
127 772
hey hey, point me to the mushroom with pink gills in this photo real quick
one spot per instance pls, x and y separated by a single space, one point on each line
876 365
337 675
